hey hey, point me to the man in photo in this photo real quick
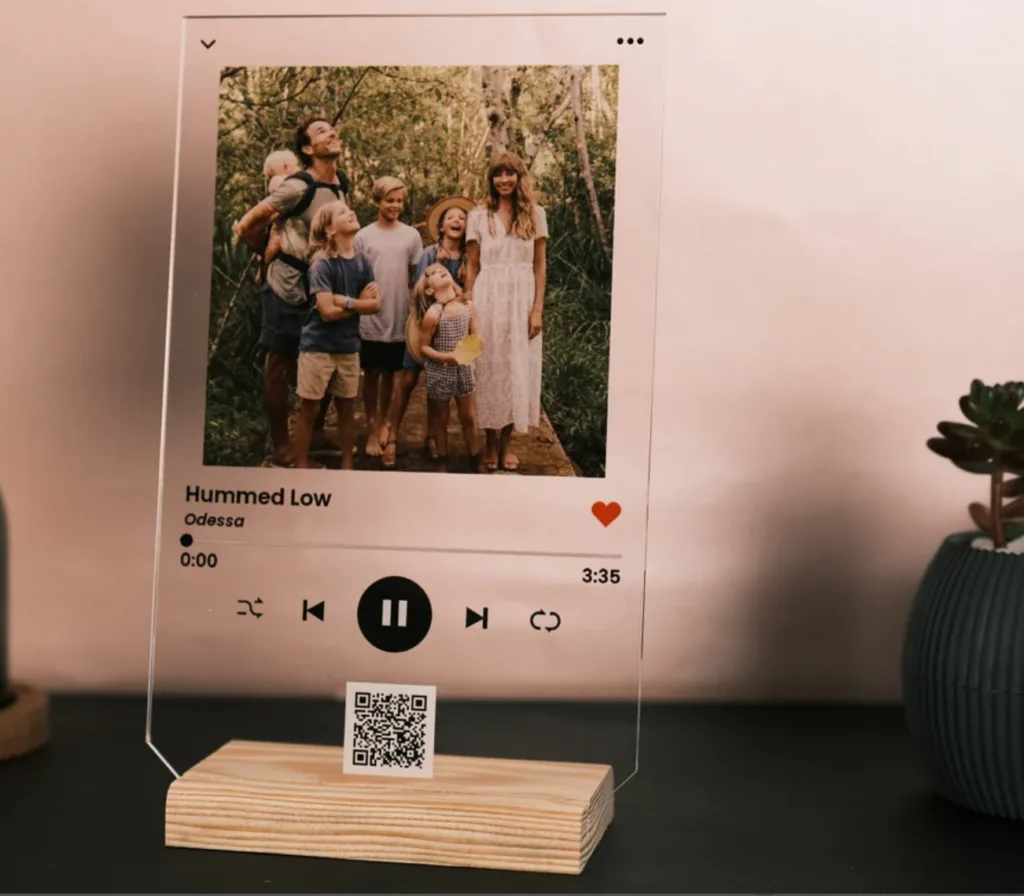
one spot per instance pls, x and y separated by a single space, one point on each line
285 293
394 249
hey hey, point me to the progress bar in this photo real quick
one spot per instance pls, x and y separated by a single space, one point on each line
412 549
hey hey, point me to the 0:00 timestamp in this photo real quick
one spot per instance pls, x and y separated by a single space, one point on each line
198 561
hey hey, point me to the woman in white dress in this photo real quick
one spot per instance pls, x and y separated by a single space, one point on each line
506 269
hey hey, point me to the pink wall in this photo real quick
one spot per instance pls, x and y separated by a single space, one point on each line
842 252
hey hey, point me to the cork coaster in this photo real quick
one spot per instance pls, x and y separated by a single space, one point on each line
25 723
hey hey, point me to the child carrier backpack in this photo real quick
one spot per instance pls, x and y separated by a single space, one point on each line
312 185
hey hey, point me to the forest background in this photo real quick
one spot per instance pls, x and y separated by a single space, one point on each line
436 129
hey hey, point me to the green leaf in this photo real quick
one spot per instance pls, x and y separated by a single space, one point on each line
959 432
1015 441
993 398
1009 397
1013 463
1013 531
963 451
981 517
972 411
999 428
1015 394
985 467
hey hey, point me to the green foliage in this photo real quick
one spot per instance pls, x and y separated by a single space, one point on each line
992 443
236 428
429 127
995 441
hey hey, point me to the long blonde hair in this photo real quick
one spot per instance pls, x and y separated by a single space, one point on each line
420 300
419 303
320 245
523 224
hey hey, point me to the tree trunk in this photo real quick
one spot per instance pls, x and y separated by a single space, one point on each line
517 139
496 109
560 102
595 101
584 154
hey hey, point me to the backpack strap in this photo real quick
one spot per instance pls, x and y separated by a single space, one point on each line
307 196
292 261
312 185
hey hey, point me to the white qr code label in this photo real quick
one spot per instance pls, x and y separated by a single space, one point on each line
389 729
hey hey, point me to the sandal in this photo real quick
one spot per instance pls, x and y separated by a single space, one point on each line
388 460
510 465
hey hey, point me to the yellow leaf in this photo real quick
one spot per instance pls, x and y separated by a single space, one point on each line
467 349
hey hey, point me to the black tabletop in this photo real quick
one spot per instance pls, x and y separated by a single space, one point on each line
758 799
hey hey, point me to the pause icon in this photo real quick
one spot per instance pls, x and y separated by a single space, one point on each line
394 614
387 613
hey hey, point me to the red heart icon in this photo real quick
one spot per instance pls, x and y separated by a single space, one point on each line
606 513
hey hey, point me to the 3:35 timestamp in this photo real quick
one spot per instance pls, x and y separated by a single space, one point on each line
601 576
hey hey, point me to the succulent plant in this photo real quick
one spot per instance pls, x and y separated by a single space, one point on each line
991 444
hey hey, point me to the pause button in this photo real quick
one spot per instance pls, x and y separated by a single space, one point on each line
394 614
388 614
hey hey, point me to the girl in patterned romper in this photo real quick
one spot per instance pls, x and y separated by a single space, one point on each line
446 320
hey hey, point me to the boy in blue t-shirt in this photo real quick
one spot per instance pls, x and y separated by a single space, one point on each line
343 288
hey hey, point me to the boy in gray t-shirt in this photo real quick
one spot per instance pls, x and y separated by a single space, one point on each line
394 250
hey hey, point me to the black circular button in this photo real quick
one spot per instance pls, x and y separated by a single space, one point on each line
394 614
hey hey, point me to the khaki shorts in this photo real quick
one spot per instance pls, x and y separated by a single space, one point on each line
316 368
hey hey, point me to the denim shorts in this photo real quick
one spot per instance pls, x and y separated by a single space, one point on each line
282 322
410 363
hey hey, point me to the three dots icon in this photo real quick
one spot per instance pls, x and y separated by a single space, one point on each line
630 40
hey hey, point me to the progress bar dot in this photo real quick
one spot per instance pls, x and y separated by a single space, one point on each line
186 540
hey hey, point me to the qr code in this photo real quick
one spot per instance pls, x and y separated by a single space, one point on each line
389 729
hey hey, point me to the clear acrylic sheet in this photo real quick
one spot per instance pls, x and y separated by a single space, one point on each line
493 588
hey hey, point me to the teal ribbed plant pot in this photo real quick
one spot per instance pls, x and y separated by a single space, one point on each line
963 676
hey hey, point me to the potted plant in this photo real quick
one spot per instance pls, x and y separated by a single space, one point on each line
24 710
963 651
6 695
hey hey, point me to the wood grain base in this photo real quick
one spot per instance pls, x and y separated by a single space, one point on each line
25 723
294 799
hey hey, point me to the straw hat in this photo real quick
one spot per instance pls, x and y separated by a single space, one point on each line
434 215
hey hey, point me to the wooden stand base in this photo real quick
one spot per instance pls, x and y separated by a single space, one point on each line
483 813
25 723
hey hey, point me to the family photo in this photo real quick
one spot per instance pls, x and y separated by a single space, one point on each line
412 269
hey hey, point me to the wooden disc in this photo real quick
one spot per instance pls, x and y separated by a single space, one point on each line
25 723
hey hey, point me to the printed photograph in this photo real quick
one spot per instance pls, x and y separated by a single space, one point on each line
412 269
